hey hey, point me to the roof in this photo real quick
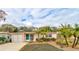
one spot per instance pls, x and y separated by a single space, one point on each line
4 32
23 33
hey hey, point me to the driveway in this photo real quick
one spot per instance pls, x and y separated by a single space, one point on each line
12 46
40 47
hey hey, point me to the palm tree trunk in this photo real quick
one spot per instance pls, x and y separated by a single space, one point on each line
74 42
38 36
43 35
77 41
66 41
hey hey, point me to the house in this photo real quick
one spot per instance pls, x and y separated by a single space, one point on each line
24 36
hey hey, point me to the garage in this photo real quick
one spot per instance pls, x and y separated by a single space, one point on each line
17 37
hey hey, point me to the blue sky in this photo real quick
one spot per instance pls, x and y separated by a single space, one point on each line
41 16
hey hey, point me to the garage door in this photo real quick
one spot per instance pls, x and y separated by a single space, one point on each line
17 38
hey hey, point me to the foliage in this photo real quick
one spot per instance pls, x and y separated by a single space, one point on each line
26 29
44 30
8 28
76 30
76 35
66 32
45 39
2 40
2 15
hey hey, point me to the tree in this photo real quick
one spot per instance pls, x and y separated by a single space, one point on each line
38 31
26 29
65 31
2 15
76 35
54 29
8 28
44 30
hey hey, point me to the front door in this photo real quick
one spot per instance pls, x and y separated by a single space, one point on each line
27 36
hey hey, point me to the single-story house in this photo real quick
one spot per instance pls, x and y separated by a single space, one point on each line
24 36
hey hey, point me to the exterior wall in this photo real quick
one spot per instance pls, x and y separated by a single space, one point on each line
17 38
54 35
40 35
21 37
3 35
35 36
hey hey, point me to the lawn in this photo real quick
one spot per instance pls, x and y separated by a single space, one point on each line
39 47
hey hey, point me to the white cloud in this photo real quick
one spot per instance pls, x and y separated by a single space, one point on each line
41 17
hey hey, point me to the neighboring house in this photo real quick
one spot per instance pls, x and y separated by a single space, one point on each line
24 36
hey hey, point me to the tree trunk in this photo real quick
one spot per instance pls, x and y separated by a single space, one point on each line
43 35
74 42
77 41
38 36
66 41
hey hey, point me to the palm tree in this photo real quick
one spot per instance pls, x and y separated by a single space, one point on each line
38 31
44 30
65 31
76 35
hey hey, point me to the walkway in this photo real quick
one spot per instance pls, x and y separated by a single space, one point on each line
12 46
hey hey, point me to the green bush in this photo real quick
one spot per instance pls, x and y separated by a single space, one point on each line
61 42
46 39
2 40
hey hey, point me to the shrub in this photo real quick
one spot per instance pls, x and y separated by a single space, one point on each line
2 40
53 39
46 39
39 40
61 42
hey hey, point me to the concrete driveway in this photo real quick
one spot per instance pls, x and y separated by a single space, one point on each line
12 46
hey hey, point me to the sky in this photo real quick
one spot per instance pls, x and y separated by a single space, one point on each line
38 17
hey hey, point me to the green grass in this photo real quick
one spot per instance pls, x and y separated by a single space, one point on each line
39 47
